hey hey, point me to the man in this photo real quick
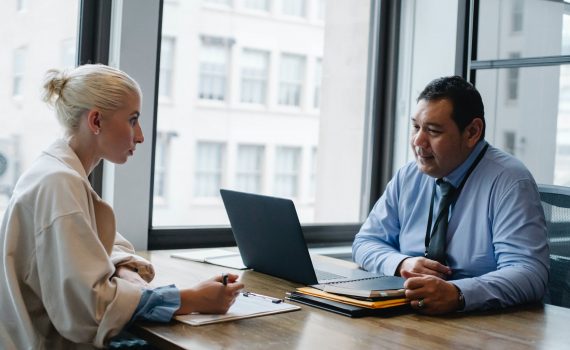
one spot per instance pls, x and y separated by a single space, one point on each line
480 243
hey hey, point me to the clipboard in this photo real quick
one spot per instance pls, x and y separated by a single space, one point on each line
246 305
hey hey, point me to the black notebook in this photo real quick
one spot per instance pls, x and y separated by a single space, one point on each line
345 309
375 287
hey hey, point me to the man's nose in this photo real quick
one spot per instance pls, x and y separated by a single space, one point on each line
419 138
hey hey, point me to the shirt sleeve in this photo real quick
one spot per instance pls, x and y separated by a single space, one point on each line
157 305
520 249
376 246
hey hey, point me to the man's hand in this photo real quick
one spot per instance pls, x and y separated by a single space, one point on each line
429 294
423 266
131 276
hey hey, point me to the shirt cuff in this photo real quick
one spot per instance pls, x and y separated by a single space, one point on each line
391 264
470 296
158 305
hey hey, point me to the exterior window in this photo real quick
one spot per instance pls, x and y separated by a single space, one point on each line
513 80
318 79
261 5
246 81
209 166
294 7
291 79
36 36
249 168
517 16
254 76
287 161
321 10
220 2
214 63
509 144
313 174
19 68
21 5
166 67
161 161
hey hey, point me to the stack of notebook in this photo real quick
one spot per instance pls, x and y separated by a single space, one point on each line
344 299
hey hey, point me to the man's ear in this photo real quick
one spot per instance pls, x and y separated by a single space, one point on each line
473 131
94 121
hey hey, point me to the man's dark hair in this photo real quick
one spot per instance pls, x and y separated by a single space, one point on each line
465 99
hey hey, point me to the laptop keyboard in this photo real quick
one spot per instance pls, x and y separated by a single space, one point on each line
324 275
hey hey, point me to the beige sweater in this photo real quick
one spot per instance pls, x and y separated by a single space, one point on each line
59 251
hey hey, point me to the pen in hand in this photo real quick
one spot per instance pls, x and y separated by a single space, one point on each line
224 279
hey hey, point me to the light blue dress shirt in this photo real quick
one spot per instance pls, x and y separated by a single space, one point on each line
496 239
157 305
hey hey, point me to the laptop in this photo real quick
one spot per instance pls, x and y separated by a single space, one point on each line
270 240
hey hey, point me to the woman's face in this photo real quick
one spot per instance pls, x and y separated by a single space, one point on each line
120 131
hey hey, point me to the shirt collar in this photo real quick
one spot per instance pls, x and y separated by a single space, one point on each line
60 150
456 176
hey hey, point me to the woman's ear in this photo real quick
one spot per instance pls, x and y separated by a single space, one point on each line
94 121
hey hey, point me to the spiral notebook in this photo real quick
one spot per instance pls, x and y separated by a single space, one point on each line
375 287
246 305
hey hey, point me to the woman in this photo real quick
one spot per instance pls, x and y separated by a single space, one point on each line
67 278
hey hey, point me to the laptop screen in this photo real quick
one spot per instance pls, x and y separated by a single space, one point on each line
269 235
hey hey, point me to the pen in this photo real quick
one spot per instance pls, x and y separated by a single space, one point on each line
273 300
224 279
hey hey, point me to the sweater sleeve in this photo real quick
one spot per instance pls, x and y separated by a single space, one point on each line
84 302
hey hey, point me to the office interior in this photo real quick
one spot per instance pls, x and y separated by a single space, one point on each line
304 99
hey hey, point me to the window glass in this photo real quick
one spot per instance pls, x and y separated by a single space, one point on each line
21 5
534 127
249 169
427 48
254 72
262 5
219 2
321 9
318 78
209 163
531 27
31 42
213 69
293 7
291 79
242 107
166 67
287 171
19 71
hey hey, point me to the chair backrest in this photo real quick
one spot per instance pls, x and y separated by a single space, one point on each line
556 204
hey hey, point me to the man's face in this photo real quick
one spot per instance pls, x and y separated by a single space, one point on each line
438 145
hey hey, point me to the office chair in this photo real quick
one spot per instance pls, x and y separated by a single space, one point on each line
556 204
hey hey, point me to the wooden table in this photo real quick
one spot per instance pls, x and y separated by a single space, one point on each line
525 327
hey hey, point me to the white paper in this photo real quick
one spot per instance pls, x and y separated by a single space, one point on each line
244 307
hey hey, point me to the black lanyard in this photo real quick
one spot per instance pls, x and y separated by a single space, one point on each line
455 195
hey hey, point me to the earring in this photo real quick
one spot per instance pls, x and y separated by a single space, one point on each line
96 131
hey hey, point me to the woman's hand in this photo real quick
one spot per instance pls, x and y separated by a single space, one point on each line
132 276
210 297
